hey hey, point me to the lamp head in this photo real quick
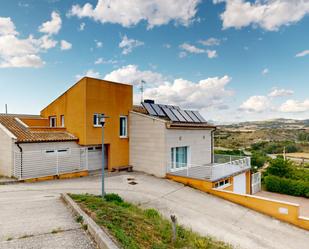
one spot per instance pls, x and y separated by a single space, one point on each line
102 119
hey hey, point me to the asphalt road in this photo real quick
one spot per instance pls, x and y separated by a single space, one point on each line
35 209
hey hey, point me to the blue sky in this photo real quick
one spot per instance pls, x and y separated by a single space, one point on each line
233 60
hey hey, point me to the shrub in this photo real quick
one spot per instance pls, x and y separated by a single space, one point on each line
258 159
113 198
286 186
279 167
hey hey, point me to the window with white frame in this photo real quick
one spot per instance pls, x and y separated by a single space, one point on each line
179 157
223 183
96 120
62 120
123 126
52 121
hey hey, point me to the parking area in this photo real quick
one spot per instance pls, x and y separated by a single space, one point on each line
38 210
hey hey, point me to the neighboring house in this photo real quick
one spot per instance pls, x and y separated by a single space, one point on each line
166 140
66 137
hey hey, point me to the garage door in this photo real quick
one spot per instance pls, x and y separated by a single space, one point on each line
240 184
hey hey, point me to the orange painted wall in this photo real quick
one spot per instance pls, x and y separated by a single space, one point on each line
90 96
35 122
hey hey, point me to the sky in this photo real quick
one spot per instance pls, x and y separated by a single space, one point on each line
233 60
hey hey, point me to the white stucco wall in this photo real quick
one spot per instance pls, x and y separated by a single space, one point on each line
6 153
47 146
147 144
151 143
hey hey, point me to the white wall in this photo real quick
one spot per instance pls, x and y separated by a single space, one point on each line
198 141
147 144
47 146
6 153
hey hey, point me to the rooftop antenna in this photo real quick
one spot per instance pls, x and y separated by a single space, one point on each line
6 109
142 90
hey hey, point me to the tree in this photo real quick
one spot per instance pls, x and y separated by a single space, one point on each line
279 167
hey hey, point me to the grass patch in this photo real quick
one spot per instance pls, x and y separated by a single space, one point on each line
136 228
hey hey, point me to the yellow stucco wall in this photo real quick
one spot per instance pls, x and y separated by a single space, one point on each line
262 205
35 122
89 96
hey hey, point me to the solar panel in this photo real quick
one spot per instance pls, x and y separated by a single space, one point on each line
178 115
199 116
158 110
186 116
194 118
149 109
169 113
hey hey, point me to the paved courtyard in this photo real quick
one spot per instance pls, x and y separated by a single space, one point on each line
35 209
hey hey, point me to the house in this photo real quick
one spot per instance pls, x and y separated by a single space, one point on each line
168 141
66 137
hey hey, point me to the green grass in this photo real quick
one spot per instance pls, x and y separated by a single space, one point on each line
136 228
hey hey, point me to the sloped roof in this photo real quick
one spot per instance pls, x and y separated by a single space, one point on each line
26 135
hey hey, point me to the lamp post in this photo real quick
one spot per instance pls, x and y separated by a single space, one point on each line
102 119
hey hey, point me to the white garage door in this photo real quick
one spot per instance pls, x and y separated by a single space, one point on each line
240 184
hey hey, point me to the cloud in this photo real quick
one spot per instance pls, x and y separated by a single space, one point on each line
53 26
302 54
90 73
131 74
294 106
98 44
130 13
188 48
280 92
30 60
265 71
206 93
7 27
102 61
267 14
255 104
210 42
47 43
65 45
82 26
128 45
167 45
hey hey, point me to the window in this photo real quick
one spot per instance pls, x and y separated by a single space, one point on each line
62 120
52 121
63 151
123 126
179 157
222 183
96 120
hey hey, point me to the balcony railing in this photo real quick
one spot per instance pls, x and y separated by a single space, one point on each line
223 166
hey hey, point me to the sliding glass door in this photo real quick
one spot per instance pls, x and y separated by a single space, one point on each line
179 157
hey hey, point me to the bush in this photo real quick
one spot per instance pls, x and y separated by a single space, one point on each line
258 159
113 198
280 167
230 152
286 186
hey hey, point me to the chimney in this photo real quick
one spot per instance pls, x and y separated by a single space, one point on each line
149 101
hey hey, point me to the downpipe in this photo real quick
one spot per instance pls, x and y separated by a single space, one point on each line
21 160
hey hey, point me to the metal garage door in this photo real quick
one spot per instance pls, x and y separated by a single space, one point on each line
95 157
240 184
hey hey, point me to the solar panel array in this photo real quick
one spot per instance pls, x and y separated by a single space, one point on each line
174 113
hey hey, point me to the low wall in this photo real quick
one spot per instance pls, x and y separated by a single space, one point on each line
284 211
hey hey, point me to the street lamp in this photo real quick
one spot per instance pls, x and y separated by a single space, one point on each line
102 120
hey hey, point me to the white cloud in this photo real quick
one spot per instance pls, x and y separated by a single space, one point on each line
207 93
102 61
267 14
47 43
82 26
99 44
210 42
30 60
7 27
188 48
90 73
265 71
280 92
130 13
53 26
131 74
167 45
294 106
302 54
65 45
255 104
128 45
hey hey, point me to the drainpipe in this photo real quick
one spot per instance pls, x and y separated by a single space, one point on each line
21 159
213 145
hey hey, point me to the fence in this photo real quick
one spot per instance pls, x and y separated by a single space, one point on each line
33 164
256 182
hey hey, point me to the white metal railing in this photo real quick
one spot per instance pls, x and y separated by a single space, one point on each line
256 182
223 166
33 164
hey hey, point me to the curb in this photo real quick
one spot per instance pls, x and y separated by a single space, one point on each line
103 239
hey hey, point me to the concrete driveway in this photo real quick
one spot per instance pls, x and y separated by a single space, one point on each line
204 213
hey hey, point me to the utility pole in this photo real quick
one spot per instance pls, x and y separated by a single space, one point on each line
284 155
142 90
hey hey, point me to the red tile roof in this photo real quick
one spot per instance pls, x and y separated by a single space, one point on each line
26 135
